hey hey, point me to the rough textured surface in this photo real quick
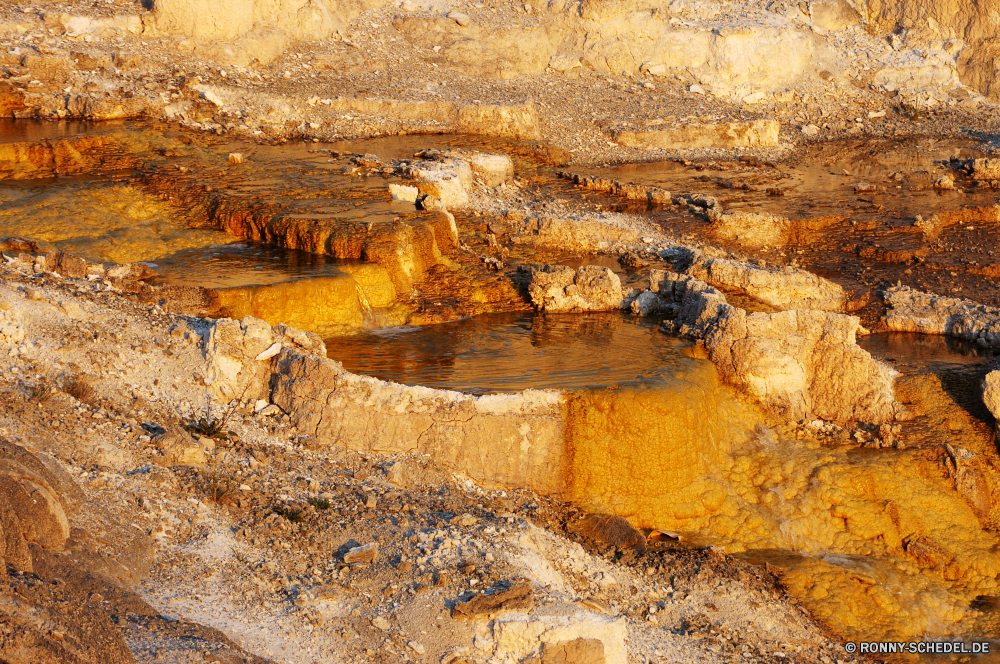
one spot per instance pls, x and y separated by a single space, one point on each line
782 287
750 229
755 134
796 364
590 288
991 393
928 313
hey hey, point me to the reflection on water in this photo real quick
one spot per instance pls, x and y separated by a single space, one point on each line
99 220
241 264
517 351
14 131
908 352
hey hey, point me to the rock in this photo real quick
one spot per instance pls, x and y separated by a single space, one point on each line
986 169
970 477
944 182
464 520
564 63
501 120
727 135
402 192
241 31
648 303
577 651
796 364
416 647
67 265
916 311
11 327
590 288
177 446
236 158
460 18
446 180
751 229
581 638
781 287
609 529
362 555
515 596
833 15
492 169
268 352
27 489
991 393
381 623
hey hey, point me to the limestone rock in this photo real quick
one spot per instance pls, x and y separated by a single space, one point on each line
241 31
492 169
447 180
515 596
177 446
65 264
916 311
362 554
504 121
11 327
750 229
559 637
969 474
991 393
796 364
752 134
402 192
986 169
833 15
590 288
648 303
27 488
781 287
610 529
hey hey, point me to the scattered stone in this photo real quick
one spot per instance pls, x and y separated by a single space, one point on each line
177 446
362 554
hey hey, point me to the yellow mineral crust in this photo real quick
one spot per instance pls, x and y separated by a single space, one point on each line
339 304
877 542
111 223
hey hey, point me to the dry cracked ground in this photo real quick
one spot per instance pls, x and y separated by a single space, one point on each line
773 181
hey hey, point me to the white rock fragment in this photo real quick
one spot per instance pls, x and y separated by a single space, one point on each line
402 192
269 352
